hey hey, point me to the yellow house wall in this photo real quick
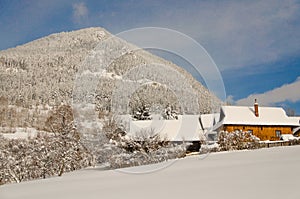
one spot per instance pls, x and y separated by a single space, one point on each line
262 132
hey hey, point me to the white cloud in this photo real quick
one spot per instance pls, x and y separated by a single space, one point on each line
80 12
235 33
287 92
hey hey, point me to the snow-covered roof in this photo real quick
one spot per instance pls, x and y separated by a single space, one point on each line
208 120
186 128
296 118
244 115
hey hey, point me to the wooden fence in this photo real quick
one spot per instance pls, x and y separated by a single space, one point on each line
278 143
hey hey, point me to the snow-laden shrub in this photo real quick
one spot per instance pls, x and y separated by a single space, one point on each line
208 148
125 151
47 154
237 140
137 158
295 141
40 157
141 150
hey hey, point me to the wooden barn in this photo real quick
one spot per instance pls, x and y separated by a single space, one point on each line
267 123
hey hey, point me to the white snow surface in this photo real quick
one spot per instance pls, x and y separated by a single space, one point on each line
288 137
264 173
186 128
21 133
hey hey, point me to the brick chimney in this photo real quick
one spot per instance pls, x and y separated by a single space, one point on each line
256 108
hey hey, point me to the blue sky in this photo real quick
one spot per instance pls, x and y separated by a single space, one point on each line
255 44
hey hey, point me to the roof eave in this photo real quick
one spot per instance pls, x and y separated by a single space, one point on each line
263 124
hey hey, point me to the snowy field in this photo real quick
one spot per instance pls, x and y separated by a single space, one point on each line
265 173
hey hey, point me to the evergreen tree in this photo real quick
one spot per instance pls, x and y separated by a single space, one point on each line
142 113
170 113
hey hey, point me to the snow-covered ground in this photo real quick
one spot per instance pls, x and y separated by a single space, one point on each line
21 133
264 173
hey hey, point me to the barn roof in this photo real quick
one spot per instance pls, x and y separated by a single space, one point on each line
208 120
244 115
186 128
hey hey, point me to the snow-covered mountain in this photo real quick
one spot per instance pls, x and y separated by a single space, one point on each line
42 72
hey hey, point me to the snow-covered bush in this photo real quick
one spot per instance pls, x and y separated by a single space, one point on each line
125 151
41 157
47 154
237 140
208 148
137 158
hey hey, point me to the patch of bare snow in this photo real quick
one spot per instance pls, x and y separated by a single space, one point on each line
21 133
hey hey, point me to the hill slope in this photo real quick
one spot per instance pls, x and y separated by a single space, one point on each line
42 72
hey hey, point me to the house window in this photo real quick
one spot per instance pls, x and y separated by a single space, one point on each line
278 133
261 128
